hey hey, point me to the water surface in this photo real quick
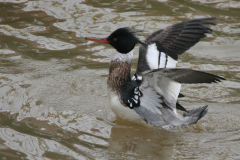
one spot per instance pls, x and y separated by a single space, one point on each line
53 93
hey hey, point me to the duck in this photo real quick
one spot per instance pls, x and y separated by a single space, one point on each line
151 95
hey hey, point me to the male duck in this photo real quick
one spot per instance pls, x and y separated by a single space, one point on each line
151 95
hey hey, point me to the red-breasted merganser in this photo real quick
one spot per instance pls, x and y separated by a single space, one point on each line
151 95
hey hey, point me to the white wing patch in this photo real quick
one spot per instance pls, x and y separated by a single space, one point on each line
163 60
153 60
152 56
164 86
171 63
169 89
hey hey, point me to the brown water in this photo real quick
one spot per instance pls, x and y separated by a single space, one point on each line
53 95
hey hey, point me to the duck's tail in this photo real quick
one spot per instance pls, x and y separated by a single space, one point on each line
192 116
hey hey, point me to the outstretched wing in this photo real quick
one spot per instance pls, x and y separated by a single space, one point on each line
164 46
178 38
167 84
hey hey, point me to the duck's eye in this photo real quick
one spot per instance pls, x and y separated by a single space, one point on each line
115 39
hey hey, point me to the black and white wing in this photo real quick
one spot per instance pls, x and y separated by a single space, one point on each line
160 89
164 46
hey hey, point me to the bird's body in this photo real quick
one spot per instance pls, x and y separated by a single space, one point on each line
151 95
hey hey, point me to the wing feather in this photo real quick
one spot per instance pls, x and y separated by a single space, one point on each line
192 31
151 100
160 89
173 40
165 84
187 76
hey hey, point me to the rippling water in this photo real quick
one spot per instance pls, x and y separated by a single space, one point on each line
53 94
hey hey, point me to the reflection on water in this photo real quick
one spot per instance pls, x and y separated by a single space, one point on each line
53 94
128 141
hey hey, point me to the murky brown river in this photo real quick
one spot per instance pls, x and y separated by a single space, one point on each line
53 93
